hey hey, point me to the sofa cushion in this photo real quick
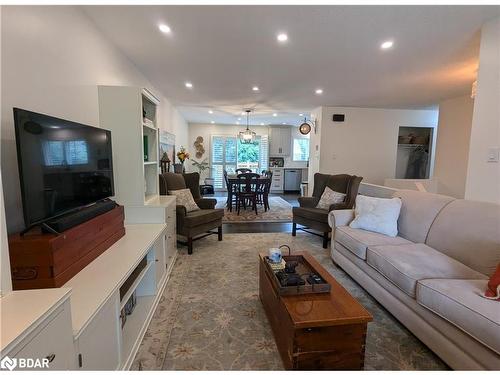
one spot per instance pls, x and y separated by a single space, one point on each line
404 265
195 218
418 211
460 302
469 232
316 214
357 240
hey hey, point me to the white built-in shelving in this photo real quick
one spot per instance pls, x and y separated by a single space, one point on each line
131 114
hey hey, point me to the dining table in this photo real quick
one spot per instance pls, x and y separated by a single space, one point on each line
234 185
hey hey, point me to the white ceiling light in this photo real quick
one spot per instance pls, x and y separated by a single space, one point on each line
210 111
284 123
164 28
282 37
301 114
275 114
319 91
262 123
255 88
189 85
387 44
239 118
212 122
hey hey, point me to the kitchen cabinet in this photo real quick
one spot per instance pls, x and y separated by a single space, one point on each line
277 183
280 141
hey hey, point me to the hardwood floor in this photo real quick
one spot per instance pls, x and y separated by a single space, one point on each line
261 227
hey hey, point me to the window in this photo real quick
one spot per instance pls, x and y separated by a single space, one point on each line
65 153
228 153
300 149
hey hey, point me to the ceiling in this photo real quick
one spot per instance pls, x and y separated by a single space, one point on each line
226 50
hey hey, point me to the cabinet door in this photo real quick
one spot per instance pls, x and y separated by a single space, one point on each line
286 140
98 345
54 342
275 142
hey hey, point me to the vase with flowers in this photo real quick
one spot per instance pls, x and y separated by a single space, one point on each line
182 155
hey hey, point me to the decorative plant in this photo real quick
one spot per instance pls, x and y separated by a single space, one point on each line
201 165
182 155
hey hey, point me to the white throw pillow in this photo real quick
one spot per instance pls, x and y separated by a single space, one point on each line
330 197
377 215
185 198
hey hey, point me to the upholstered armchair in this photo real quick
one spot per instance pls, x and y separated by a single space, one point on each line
197 224
316 219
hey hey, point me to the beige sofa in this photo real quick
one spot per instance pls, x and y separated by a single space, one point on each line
431 275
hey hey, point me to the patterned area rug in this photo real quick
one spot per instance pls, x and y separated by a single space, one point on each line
280 212
210 316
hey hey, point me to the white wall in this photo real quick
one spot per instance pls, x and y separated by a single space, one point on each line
366 143
483 178
314 148
53 59
452 148
208 130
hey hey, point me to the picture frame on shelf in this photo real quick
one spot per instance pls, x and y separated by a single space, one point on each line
167 149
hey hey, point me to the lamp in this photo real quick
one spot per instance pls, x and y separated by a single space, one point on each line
306 126
247 136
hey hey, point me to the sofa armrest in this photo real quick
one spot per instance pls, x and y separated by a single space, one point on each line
309 202
340 218
339 206
206 203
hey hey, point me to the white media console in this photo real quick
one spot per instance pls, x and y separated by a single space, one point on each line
78 326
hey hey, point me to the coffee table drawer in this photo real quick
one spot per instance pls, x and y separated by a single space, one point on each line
348 337
329 360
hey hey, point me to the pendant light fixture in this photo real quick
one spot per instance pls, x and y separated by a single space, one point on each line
247 136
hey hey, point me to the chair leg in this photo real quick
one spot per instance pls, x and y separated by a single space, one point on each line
325 240
190 245
219 233
294 229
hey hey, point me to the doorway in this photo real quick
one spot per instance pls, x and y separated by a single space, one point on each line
228 154
414 152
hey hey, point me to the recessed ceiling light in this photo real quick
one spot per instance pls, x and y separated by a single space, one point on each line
212 122
210 111
282 37
319 91
275 114
189 85
239 118
387 44
164 28
284 123
301 114
262 123
255 88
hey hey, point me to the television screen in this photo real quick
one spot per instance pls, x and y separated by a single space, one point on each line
63 165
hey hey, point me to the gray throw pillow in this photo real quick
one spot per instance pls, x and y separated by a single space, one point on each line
330 197
185 198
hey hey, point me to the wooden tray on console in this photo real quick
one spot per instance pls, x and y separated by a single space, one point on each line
303 267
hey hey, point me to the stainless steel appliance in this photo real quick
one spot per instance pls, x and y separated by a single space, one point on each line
293 178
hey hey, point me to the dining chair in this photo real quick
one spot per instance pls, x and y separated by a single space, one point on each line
263 188
247 190
243 170
231 192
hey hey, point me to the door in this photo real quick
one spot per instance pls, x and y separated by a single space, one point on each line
228 153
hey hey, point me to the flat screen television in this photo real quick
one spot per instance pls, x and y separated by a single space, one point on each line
63 165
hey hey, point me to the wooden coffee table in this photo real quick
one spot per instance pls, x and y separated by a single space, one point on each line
316 331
